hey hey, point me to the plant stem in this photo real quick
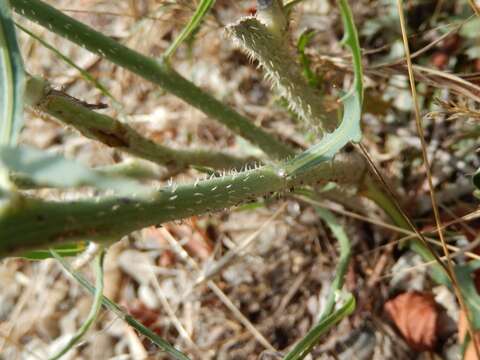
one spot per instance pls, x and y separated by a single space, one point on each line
121 136
45 223
150 69
275 57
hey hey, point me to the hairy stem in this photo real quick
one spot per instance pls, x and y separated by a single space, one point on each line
150 69
44 223
121 136
274 56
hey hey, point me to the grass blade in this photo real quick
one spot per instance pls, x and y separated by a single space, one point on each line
12 79
191 28
63 250
343 261
311 339
94 310
117 310
309 74
85 74
328 318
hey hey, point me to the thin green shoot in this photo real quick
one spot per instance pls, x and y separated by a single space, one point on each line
303 40
190 28
345 254
85 74
305 346
117 310
95 308
12 79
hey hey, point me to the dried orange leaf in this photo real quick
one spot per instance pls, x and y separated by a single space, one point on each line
415 314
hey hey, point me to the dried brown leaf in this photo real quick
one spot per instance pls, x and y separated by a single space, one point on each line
416 315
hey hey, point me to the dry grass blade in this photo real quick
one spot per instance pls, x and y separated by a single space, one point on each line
455 110
229 257
171 313
426 162
217 291
451 81
466 251
474 7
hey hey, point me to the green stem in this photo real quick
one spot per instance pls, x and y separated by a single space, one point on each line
121 136
45 223
150 69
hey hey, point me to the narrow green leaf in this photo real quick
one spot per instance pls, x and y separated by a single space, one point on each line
85 74
94 310
303 41
191 28
305 346
290 5
469 291
54 170
117 310
12 79
349 129
64 250
343 261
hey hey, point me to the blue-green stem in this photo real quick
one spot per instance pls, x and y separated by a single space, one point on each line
45 223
